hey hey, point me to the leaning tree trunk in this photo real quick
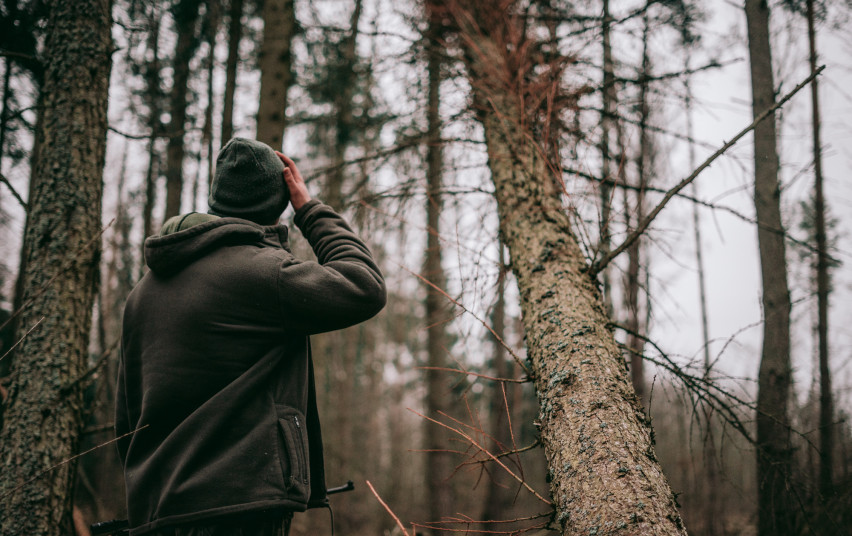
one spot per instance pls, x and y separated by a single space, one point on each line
279 24
42 416
775 509
603 471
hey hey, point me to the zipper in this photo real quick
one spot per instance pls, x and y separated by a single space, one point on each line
300 446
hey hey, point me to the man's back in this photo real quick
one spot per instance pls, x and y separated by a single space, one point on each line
216 373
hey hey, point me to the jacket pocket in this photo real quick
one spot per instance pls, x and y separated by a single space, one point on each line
291 424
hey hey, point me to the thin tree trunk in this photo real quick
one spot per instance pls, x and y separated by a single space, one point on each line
603 472
7 77
152 82
213 19
343 111
826 409
501 491
42 416
636 343
235 34
186 18
609 104
775 509
712 515
439 462
279 24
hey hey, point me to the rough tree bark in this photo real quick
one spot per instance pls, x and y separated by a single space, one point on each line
42 415
235 35
186 17
603 472
775 509
439 461
279 24
826 406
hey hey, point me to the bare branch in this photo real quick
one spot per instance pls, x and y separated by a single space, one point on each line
383 503
18 56
474 315
597 266
486 451
15 193
468 373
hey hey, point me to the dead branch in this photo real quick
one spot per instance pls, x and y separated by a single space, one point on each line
474 315
19 56
483 376
692 199
385 505
599 265
15 193
487 452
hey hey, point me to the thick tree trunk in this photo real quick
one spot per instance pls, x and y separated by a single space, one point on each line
42 415
604 474
775 509
826 406
279 24
439 461
186 18
235 34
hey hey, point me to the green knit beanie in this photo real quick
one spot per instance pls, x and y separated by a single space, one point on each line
249 183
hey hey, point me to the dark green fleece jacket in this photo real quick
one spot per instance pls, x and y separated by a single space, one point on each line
216 372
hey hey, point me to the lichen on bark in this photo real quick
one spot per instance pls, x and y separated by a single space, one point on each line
603 473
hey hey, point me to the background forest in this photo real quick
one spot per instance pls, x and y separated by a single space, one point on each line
508 162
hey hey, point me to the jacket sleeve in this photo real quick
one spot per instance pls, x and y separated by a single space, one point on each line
344 287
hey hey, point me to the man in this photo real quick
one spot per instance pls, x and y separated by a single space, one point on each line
216 377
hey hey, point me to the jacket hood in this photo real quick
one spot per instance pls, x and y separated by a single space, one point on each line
170 253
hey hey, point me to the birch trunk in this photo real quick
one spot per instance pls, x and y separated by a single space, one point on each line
42 415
